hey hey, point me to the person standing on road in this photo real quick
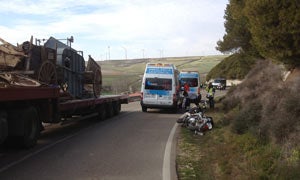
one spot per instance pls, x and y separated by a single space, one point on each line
186 100
210 95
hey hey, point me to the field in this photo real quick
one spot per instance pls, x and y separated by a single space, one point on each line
125 75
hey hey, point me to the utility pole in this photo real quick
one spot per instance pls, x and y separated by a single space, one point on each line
143 50
161 53
108 53
125 52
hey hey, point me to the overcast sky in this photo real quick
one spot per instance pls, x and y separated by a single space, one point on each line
114 29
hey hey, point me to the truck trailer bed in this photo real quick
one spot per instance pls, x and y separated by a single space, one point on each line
27 93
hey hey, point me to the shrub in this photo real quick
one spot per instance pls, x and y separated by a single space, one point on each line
228 117
248 118
281 111
230 103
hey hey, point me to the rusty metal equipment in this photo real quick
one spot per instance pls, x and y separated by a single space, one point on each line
93 77
52 64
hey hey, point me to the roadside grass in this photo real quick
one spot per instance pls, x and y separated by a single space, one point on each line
223 154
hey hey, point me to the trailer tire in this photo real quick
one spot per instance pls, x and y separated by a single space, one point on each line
3 127
24 127
32 127
109 110
102 113
116 107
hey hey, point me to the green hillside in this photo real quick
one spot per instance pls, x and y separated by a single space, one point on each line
125 75
235 66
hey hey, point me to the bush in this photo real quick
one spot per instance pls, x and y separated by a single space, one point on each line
263 95
267 107
281 112
230 102
248 118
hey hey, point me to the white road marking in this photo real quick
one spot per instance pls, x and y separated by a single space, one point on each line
167 156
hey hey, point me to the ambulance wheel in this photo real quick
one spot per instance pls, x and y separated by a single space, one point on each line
175 109
144 109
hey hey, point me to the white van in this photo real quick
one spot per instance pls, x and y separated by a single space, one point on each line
160 87
192 78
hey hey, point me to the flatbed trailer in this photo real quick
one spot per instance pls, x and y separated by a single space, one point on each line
24 109
48 83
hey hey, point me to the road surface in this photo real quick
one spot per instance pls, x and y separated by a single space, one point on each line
132 145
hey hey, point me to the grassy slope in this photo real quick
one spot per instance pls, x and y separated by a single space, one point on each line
132 70
221 154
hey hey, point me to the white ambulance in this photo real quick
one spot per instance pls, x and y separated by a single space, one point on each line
192 78
160 87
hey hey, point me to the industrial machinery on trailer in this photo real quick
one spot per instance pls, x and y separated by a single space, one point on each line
48 83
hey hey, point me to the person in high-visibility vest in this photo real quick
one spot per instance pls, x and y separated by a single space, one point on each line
210 95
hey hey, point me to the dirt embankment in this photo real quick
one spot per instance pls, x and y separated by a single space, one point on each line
270 102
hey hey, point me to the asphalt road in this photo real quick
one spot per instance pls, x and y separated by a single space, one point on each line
132 145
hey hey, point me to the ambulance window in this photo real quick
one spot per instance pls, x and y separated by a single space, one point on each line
192 82
158 84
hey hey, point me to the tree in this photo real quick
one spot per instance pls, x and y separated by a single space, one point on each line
238 36
275 29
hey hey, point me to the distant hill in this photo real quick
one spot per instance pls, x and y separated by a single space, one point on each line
125 75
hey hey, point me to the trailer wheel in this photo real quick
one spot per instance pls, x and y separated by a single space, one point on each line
3 127
102 113
116 107
109 110
31 127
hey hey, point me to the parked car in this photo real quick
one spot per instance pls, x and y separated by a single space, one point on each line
219 83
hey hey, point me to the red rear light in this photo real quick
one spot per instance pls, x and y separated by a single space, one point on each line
141 95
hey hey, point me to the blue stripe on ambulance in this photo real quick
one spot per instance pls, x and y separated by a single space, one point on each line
188 75
159 71
158 92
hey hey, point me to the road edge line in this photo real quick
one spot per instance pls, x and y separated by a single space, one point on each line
167 155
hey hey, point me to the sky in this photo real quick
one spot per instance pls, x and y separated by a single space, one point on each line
119 29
